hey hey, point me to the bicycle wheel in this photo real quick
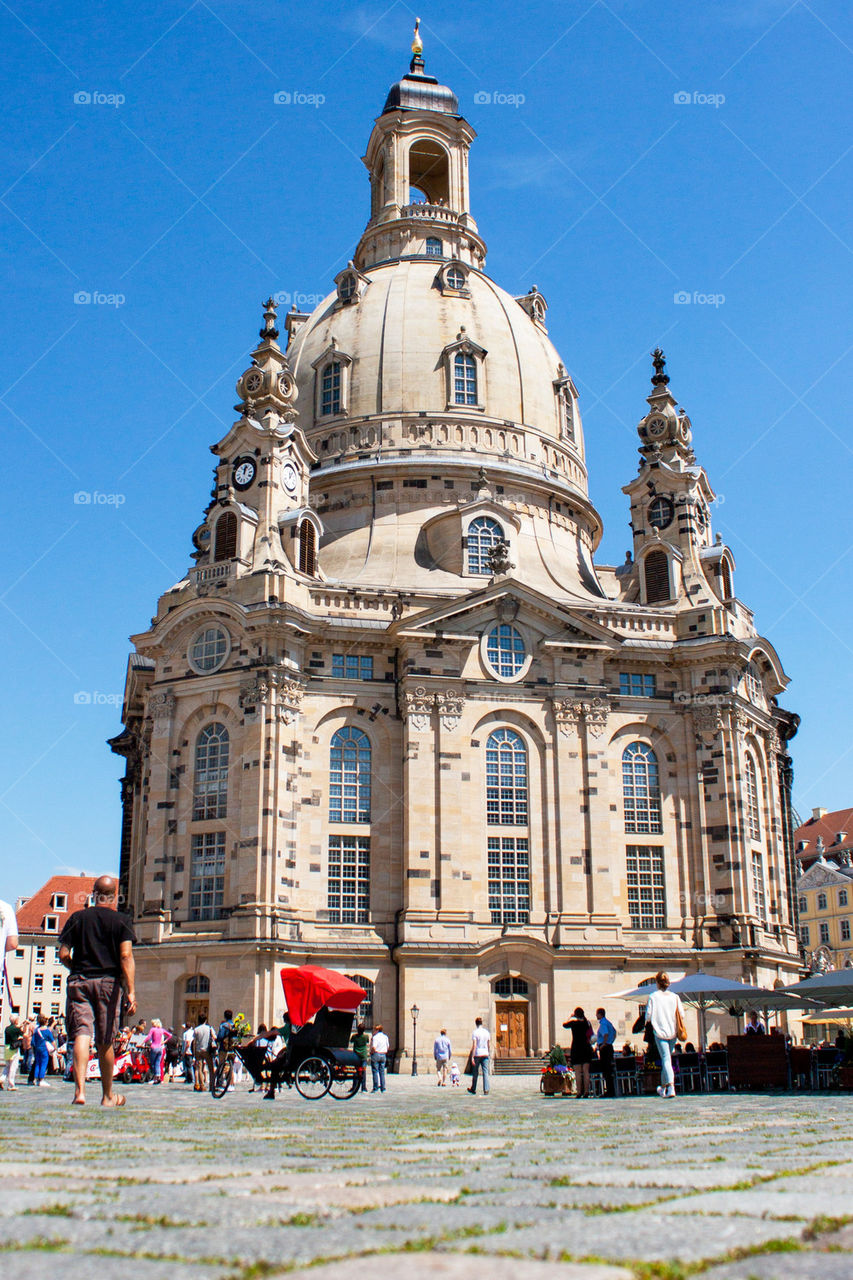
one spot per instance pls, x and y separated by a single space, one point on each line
313 1078
222 1074
345 1086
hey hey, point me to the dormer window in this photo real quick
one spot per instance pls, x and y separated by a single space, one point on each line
464 379
566 400
434 247
455 278
483 536
332 371
330 391
346 289
351 284
59 901
50 924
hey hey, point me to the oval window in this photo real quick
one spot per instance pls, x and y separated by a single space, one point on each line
209 649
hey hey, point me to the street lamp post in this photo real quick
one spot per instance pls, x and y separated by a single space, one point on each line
415 1011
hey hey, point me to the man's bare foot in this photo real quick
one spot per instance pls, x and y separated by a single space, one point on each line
78 1102
115 1100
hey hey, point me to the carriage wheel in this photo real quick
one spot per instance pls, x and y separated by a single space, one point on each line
345 1086
222 1078
313 1078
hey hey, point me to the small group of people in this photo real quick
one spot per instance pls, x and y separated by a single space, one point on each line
478 1064
38 1045
373 1048
663 1024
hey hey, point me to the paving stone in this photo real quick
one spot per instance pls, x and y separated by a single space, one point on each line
46 1265
786 1266
449 1266
645 1235
765 1202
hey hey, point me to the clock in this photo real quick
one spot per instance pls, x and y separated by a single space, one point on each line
245 470
289 477
253 381
656 426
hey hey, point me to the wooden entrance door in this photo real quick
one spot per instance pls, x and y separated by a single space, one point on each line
511 1039
194 1009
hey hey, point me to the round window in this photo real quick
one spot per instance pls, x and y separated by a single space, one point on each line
506 651
455 278
209 649
661 512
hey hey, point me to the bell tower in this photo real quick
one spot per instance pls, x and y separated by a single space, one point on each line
676 557
417 158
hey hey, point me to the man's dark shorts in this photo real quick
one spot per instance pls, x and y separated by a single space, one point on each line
92 1008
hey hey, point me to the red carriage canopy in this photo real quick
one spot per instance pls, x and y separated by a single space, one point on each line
308 988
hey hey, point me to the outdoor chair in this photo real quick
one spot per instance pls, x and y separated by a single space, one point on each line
824 1061
627 1071
688 1073
716 1069
596 1079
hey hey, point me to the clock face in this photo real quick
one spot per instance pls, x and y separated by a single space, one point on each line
252 381
244 472
290 477
656 426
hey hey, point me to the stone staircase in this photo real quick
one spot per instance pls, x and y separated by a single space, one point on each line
518 1066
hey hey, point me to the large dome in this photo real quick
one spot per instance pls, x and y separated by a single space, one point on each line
397 333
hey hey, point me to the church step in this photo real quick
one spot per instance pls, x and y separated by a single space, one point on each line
518 1066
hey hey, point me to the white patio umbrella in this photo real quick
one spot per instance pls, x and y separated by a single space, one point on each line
705 991
830 1016
835 988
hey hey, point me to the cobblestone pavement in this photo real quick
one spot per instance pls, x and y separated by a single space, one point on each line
179 1186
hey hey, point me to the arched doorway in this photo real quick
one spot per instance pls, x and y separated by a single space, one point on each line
197 998
512 1018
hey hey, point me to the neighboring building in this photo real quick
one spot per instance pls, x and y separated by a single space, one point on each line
36 979
827 835
825 894
396 720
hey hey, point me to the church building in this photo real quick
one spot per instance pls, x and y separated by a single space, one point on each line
396 719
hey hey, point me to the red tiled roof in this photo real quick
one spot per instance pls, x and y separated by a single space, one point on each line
827 828
76 889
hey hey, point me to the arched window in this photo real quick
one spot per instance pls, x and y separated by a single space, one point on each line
307 548
753 809
754 685
567 415
506 779
225 542
506 651
511 987
656 574
330 389
661 512
641 790
349 776
483 534
364 1012
725 580
434 247
464 379
198 985
455 278
210 790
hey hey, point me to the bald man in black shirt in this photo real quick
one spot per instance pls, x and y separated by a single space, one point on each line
96 944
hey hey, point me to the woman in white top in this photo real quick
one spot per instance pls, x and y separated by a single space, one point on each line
660 1013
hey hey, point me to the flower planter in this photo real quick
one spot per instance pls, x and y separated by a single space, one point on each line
553 1083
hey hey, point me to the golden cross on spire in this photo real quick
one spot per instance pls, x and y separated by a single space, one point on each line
417 42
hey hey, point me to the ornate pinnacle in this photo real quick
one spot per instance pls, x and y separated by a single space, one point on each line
417 63
660 378
269 333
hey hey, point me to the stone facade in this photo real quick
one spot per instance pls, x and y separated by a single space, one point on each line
395 720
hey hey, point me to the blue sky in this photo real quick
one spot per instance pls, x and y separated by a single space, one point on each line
658 151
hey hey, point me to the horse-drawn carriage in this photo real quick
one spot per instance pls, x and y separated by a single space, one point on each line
316 1058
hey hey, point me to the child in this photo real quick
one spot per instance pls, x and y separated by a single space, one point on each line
454 1074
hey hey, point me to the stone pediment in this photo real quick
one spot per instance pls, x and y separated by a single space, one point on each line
821 874
506 600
